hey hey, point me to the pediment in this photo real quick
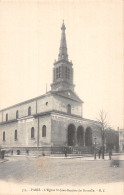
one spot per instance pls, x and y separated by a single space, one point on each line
68 94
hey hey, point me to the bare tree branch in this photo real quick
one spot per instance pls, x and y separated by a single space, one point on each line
103 120
104 125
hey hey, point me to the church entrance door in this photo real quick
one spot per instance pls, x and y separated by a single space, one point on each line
88 136
80 136
71 135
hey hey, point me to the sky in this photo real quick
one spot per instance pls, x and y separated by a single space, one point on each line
30 33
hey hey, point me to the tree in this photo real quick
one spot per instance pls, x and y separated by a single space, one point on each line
112 139
103 126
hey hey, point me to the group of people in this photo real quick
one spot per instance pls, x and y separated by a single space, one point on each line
100 152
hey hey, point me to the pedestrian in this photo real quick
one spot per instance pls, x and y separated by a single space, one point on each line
11 152
65 151
99 153
27 151
2 154
95 153
110 154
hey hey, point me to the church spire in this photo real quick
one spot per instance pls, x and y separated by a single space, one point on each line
62 70
63 47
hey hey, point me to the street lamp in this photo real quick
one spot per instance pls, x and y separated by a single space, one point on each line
95 147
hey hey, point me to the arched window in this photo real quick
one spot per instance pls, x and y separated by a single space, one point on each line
69 109
15 135
6 117
17 114
29 111
32 132
4 136
44 131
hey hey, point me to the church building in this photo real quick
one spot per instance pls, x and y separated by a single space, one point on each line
51 121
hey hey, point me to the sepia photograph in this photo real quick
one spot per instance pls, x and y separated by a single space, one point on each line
61 97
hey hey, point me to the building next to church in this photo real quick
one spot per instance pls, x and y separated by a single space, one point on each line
50 121
121 140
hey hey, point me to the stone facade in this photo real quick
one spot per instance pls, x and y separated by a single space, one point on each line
121 140
56 120
60 127
51 120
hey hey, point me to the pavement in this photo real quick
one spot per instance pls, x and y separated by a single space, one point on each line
114 157
57 171
90 157
3 160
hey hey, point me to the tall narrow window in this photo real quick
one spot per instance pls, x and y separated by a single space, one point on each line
32 132
44 131
57 73
67 73
29 111
6 117
17 114
69 109
4 136
15 135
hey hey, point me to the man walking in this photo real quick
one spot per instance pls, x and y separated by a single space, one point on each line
110 154
99 153
65 151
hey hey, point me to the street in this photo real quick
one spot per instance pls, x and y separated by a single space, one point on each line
59 171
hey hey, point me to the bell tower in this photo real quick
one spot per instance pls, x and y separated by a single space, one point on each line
62 70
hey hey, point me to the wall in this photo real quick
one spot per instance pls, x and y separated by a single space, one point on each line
22 109
121 139
43 141
60 104
60 129
43 104
23 128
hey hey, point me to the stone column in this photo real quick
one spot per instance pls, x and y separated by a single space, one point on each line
66 142
76 144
